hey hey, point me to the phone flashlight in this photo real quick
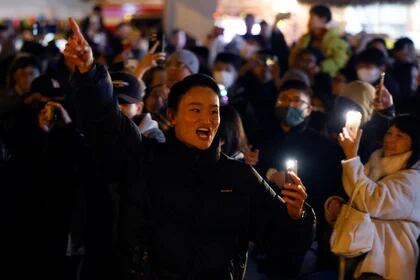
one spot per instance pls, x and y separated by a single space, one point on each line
291 165
353 119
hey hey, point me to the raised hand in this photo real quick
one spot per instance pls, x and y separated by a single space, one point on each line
148 61
77 51
383 99
294 194
251 156
349 144
52 114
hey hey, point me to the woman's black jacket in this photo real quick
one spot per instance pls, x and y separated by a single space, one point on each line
185 213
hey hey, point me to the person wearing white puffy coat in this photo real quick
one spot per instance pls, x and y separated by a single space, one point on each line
390 193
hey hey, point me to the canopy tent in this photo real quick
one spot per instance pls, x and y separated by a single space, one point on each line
356 2
60 9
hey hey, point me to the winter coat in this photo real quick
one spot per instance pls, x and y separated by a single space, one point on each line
335 50
393 201
185 213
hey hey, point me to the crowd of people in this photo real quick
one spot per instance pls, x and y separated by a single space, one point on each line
171 161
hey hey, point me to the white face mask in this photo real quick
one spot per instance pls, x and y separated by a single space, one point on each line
369 75
225 78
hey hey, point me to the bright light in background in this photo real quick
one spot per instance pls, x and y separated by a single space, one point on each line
279 6
232 27
48 38
353 26
61 44
256 29
129 8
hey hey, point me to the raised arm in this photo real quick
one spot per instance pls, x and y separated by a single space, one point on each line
112 137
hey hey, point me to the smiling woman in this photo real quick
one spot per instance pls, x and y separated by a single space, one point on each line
193 109
188 207
389 188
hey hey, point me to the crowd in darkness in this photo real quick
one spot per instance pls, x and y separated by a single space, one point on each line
120 160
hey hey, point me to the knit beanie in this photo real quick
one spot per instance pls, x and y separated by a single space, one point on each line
362 94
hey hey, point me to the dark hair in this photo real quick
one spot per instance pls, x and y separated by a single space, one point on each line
319 56
229 58
321 11
179 89
374 41
371 56
297 85
22 62
411 126
402 42
231 131
148 76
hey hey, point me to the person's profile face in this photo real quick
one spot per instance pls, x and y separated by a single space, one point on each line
198 118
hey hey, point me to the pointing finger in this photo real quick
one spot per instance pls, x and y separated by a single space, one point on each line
153 49
76 30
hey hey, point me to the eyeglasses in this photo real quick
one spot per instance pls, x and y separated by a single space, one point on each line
296 100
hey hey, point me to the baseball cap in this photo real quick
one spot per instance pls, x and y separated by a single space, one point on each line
127 88
47 86
188 58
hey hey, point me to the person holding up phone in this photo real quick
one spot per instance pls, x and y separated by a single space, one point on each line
389 186
289 138
187 211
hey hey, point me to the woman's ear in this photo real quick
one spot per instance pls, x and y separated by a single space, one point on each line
170 114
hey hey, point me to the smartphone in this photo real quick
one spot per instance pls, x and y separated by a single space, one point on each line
353 119
382 81
157 36
291 165
381 85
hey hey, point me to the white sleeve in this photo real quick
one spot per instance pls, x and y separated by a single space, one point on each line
392 197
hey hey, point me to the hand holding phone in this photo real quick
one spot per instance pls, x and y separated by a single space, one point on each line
291 165
353 120
380 87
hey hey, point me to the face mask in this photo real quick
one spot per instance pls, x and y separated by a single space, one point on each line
290 116
224 77
370 75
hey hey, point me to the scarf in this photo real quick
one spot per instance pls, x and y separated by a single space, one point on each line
379 166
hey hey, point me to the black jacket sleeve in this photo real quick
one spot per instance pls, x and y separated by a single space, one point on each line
274 230
113 138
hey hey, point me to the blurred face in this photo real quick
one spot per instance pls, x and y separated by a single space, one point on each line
406 54
261 70
396 142
369 73
124 31
131 110
24 77
296 99
175 72
224 73
306 62
315 22
179 39
338 84
197 119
